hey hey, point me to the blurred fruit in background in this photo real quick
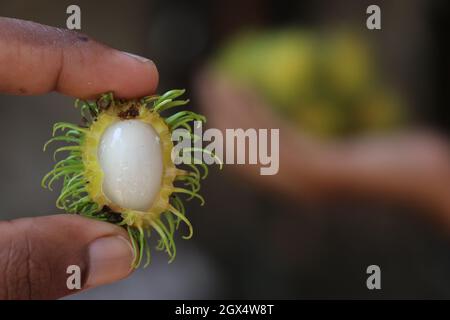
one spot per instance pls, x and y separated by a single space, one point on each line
328 83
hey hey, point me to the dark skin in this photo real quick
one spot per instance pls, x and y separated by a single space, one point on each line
35 252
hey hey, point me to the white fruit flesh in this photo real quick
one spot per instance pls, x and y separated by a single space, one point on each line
131 159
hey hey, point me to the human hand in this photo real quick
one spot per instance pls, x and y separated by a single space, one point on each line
35 252
411 167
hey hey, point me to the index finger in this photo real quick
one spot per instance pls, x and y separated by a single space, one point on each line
36 59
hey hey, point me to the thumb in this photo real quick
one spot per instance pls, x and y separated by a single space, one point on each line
35 254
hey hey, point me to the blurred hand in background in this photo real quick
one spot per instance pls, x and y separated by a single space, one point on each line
344 128
411 166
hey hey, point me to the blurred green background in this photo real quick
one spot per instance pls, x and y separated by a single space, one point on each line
326 82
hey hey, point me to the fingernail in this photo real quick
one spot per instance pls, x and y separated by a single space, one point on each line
110 259
139 58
